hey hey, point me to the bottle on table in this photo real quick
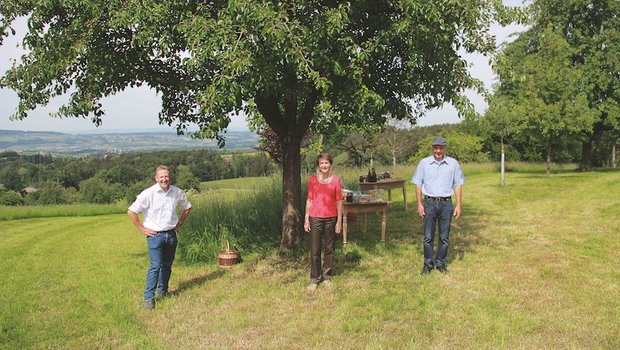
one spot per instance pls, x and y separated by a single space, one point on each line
373 175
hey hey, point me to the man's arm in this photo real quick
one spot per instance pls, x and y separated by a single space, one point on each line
182 219
136 221
418 196
458 193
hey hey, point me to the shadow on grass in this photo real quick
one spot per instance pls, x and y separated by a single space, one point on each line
197 281
139 255
404 229
465 233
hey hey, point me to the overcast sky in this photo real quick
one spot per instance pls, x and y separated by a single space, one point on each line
137 108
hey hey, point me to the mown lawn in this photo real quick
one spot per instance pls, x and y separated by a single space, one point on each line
532 265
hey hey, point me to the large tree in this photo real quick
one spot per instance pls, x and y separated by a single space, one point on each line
294 64
592 30
543 89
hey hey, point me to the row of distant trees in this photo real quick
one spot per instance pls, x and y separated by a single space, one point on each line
44 179
107 179
472 140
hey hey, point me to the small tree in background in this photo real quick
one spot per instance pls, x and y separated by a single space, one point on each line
51 192
11 180
463 147
96 190
10 197
184 178
394 141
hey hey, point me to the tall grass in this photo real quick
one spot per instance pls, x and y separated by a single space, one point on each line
60 210
244 214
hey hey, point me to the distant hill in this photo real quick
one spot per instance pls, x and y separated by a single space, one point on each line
64 144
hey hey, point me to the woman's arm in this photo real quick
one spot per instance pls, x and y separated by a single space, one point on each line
307 216
339 220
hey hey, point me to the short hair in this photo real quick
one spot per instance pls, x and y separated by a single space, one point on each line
326 156
163 167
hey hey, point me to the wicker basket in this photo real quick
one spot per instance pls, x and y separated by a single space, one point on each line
228 258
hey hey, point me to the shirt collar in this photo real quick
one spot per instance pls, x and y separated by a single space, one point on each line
444 160
159 189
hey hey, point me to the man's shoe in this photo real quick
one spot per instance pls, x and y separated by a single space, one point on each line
328 284
149 304
442 269
425 270
312 287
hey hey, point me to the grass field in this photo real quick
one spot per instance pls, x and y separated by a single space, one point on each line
41 211
532 265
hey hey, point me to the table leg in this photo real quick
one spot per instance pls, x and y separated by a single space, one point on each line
344 227
383 224
365 219
405 196
390 195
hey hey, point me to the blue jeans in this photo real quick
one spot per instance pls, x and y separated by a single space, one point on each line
162 248
437 214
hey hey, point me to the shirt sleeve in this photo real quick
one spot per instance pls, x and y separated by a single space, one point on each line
338 189
139 204
459 177
183 201
418 176
311 188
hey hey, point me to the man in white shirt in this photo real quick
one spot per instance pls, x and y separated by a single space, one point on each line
158 205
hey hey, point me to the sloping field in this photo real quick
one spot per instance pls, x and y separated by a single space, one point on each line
532 265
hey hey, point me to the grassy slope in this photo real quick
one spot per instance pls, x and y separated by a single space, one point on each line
533 264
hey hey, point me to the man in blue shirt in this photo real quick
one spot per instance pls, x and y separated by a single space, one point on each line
437 178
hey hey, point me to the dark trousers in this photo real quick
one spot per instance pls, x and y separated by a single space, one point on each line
438 215
322 229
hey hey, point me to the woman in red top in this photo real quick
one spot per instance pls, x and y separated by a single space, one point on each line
322 220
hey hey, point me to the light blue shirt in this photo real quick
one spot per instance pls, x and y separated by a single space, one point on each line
438 178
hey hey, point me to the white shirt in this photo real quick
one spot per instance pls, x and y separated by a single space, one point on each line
159 207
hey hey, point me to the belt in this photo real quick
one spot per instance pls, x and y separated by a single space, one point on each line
439 199
167 231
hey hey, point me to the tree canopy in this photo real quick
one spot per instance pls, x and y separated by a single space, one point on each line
544 92
295 64
562 76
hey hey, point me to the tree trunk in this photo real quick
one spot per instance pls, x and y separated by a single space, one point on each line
503 164
290 131
291 194
549 148
394 162
613 154
586 155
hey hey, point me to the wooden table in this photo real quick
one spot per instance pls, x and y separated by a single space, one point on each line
387 184
364 207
